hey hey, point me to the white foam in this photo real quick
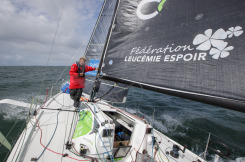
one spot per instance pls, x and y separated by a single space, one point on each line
16 108
14 102
10 112
240 159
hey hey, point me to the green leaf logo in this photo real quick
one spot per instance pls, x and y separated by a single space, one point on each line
160 6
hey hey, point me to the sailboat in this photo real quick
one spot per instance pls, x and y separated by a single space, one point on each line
189 49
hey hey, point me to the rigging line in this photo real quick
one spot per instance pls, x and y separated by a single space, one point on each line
195 140
59 109
158 135
20 139
229 142
92 158
67 66
131 154
21 144
105 47
162 152
66 130
52 150
8 133
60 103
107 129
141 144
96 146
134 92
73 118
77 154
153 138
43 103
197 143
105 148
145 142
50 138
122 111
165 154
77 118
26 123
107 134
97 22
110 96
77 52
99 134
17 137
161 155
142 90
107 92
219 137
50 52
13 126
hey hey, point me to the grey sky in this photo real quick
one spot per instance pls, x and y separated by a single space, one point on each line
27 29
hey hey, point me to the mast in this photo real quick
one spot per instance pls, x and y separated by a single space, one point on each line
92 95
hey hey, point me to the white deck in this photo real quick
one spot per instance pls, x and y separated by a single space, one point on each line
31 147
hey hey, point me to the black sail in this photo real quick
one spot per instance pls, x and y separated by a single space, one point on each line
98 38
93 55
187 48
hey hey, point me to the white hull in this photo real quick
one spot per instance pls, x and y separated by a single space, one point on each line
29 147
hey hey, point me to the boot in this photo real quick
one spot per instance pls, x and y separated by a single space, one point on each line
76 104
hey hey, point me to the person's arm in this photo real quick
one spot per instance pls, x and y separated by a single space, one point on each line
89 68
73 70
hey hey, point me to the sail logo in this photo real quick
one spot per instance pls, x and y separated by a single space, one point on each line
215 42
110 62
209 44
93 63
151 15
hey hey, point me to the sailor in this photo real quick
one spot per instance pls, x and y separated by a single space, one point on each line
77 79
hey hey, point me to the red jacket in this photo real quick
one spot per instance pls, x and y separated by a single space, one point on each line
75 81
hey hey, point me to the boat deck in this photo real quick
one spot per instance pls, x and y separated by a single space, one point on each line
54 128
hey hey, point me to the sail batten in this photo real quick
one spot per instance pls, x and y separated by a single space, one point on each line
190 49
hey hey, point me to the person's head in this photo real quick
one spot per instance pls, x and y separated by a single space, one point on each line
82 61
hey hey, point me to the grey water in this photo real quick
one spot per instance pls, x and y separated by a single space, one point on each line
185 121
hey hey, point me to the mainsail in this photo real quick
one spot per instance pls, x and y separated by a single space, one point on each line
93 54
191 49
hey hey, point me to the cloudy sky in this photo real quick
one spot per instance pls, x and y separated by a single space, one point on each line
27 29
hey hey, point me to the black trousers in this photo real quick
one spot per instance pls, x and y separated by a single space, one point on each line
76 94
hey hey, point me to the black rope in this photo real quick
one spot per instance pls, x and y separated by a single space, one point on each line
60 109
107 91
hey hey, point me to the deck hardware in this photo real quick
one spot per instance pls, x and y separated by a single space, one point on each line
175 152
65 155
68 145
34 159
83 149
35 112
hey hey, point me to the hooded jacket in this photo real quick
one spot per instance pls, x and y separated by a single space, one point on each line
75 80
